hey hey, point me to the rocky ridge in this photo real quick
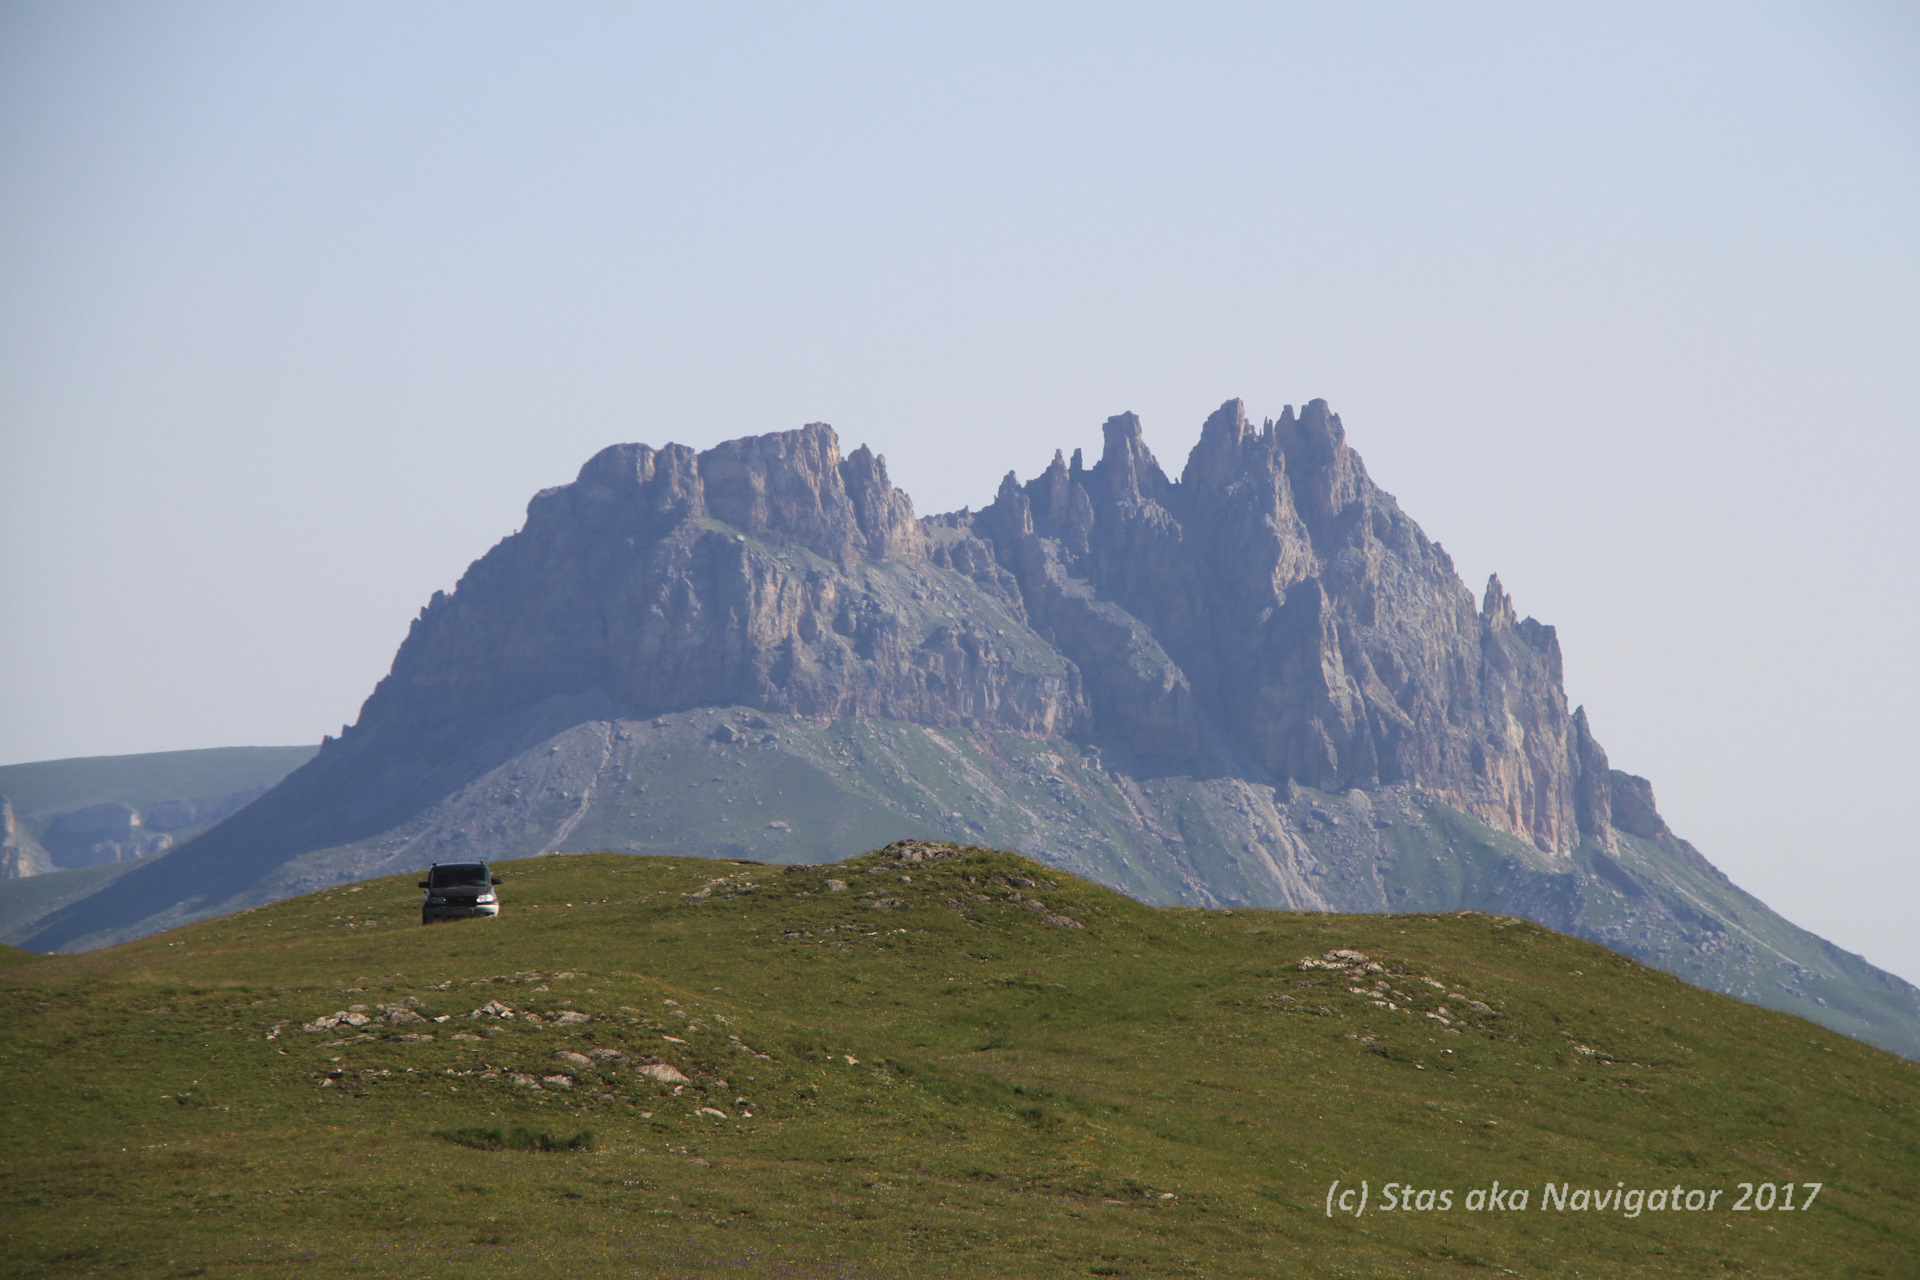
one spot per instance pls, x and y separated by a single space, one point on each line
1273 608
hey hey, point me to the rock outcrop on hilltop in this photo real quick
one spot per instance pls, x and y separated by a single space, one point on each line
1257 684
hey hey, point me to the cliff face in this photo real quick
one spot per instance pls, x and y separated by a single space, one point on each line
1272 611
767 572
1278 599
20 854
1271 616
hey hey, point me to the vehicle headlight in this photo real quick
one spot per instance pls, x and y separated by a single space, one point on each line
436 902
486 897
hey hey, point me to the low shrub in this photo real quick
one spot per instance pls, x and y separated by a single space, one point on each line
515 1139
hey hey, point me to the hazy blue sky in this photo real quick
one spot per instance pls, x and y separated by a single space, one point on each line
300 303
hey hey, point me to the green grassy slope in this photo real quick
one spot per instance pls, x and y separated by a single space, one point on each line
25 901
811 795
142 780
853 783
955 1085
1657 900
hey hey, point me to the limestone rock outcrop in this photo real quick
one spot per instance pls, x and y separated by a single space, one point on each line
97 834
1630 803
20 854
1271 611
767 572
1270 615
1277 603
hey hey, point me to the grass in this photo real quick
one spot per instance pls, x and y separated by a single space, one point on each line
953 1086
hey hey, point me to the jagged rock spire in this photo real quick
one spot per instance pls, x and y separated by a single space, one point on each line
1497 606
1303 617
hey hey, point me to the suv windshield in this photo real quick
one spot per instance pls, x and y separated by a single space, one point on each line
458 875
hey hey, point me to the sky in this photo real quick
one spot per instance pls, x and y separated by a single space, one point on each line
300 303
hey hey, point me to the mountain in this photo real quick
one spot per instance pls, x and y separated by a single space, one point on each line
66 815
179 783
68 827
1259 684
924 1062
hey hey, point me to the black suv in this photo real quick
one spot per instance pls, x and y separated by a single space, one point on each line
459 889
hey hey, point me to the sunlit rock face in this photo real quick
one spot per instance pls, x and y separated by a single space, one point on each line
1271 611
1271 616
767 572
1276 604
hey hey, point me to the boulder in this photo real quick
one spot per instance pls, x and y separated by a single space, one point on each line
663 1072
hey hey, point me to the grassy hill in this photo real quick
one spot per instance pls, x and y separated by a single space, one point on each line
966 1066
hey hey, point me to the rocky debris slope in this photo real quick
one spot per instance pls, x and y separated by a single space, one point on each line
1259 683
629 1072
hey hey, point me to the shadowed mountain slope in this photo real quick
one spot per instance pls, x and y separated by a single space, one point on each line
71 818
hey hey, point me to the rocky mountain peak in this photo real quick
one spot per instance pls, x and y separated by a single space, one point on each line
1272 607
1272 615
1277 604
1216 461
1496 608
1127 471
790 488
